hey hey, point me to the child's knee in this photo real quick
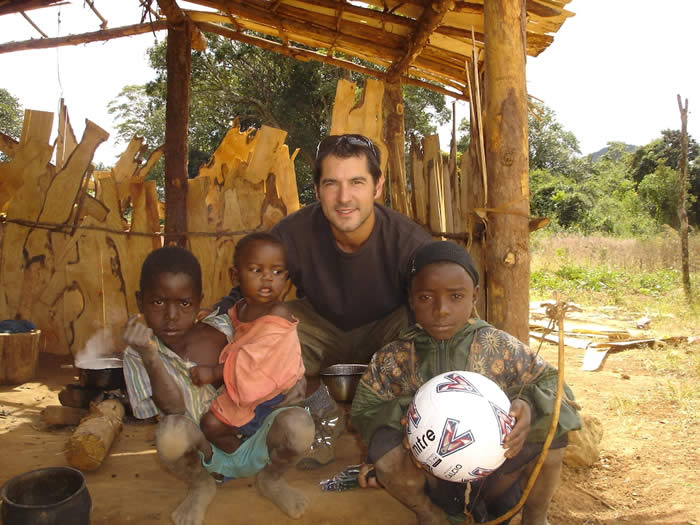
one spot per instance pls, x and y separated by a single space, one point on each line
294 428
211 426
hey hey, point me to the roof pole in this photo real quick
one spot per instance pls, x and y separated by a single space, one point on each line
179 65
507 261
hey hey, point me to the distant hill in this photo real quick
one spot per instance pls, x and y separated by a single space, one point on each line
629 148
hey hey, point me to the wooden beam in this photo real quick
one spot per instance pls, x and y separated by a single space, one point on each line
84 38
305 54
177 17
177 110
507 259
432 18
7 8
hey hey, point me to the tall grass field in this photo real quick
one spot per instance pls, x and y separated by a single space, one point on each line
640 275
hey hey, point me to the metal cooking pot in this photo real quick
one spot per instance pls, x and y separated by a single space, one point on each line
105 373
342 380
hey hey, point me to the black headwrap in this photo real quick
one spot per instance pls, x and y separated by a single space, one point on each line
443 251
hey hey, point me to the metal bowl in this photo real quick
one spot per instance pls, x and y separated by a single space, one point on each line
342 380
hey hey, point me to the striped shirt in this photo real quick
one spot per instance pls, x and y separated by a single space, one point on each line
138 384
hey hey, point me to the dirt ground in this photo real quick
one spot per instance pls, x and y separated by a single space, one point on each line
648 472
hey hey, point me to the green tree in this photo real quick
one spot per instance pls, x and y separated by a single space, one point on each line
666 151
551 147
11 117
234 80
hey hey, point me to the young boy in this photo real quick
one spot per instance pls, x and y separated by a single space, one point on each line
157 366
264 358
442 291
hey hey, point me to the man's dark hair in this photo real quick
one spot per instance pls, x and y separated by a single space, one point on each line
243 243
346 146
170 259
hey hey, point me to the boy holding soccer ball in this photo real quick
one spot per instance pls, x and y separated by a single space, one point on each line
442 291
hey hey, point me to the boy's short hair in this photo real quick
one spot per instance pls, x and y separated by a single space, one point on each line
170 259
346 146
243 243
443 251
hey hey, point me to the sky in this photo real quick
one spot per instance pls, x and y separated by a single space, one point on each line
611 74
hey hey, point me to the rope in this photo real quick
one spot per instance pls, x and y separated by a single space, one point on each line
69 228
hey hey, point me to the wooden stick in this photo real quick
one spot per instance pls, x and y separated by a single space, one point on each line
84 38
480 123
596 497
44 35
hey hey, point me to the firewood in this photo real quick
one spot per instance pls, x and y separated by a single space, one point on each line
90 443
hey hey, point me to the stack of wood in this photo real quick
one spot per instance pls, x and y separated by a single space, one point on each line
74 239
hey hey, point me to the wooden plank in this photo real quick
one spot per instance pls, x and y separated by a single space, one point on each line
363 117
394 138
286 179
419 185
198 221
65 141
266 146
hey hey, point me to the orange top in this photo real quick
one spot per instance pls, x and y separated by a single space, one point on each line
262 361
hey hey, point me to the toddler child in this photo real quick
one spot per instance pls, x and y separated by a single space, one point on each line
263 360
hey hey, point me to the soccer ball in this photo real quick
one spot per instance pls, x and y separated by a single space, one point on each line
457 423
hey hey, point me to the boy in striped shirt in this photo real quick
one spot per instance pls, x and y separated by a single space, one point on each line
157 366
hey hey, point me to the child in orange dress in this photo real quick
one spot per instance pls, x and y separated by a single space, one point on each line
263 359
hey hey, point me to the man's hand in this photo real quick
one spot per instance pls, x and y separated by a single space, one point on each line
202 375
138 336
514 441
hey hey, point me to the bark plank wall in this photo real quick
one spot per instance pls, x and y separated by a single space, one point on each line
70 258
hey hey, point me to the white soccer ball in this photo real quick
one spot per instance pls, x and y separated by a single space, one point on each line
457 423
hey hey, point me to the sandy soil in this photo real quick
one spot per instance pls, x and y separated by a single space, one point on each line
648 473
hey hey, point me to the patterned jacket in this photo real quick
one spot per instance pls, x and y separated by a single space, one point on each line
402 366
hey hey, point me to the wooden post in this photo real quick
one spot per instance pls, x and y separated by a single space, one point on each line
505 137
177 110
394 139
682 209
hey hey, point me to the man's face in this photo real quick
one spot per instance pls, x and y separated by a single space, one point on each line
347 191
442 297
170 306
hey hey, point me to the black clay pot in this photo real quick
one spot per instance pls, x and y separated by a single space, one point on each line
104 374
48 496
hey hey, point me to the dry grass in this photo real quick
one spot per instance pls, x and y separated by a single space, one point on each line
661 252
642 276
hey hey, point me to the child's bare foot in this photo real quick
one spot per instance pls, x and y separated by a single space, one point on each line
290 500
192 509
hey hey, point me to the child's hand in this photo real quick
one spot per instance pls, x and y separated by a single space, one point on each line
407 446
138 336
514 442
202 375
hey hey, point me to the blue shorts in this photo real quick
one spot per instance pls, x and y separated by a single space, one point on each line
248 459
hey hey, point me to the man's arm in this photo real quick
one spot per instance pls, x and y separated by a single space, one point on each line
166 393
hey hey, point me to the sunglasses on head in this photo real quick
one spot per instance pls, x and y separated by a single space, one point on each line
332 141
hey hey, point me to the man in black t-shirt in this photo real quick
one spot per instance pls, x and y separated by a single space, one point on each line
349 259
